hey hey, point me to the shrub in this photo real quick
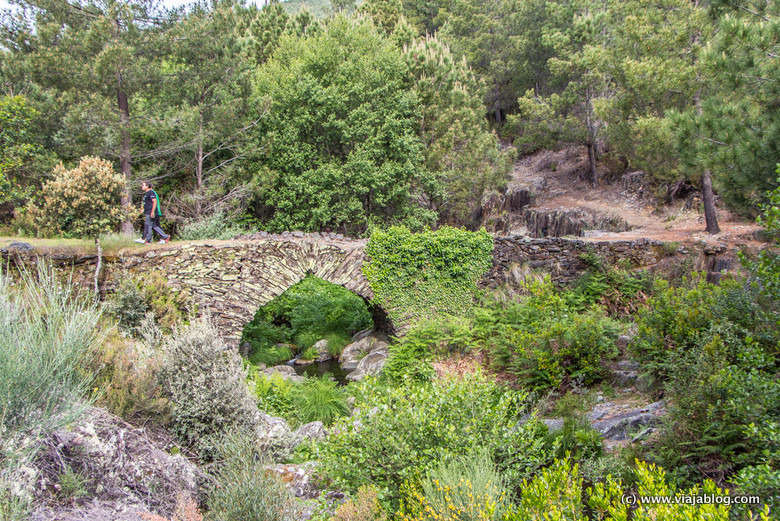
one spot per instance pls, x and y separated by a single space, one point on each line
243 486
206 384
151 293
468 489
218 226
402 433
129 377
556 493
363 507
315 399
310 310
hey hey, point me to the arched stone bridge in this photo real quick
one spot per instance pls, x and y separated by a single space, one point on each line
232 279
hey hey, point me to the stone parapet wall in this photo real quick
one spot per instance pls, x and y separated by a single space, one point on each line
562 258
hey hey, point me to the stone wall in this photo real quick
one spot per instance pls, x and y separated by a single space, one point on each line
561 258
232 279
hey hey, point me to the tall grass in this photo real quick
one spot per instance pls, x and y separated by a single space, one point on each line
47 333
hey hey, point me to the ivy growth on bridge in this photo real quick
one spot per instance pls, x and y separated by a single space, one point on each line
416 275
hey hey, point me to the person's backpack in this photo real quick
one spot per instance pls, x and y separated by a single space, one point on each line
159 206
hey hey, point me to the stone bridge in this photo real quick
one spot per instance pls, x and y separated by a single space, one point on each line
230 280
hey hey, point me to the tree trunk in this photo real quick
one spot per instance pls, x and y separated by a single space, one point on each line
710 215
199 173
592 161
97 268
124 150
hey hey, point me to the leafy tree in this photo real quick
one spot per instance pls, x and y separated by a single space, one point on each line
385 13
340 145
83 201
490 35
17 147
203 109
568 116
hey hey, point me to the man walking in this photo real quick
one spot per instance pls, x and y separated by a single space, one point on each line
151 216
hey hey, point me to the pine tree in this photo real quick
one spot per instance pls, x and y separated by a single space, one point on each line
95 57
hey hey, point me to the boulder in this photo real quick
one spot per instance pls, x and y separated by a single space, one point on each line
363 344
616 427
299 479
371 364
287 372
553 425
323 354
311 431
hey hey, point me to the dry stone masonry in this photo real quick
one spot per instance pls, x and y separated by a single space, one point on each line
230 280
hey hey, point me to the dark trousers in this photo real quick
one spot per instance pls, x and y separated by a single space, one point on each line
153 225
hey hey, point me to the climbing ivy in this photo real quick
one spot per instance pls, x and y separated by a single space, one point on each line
414 275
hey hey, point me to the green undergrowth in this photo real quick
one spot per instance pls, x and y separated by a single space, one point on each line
419 275
314 399
541 338
311 310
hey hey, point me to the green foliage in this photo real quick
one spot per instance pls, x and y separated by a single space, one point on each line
217 227
557 493
48 335
308 311
681 319
736 129
340 143
243 488
620 292
766 268
410 357
135 297
319 399
713 351
544 341
417 275
207 387
83 201
17 146
459 148
402 433
314 399
468 489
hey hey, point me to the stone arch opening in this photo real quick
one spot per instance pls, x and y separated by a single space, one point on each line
308 325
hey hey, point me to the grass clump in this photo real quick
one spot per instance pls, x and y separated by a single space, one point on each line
218 226
314 399
310 310
243 488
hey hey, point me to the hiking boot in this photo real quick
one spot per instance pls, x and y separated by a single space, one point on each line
141 241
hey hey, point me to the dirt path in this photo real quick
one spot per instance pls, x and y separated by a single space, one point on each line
557 178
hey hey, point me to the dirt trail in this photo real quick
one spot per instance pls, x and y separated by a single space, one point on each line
557 177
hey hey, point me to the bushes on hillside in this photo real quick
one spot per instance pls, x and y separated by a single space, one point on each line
540 338
713 351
